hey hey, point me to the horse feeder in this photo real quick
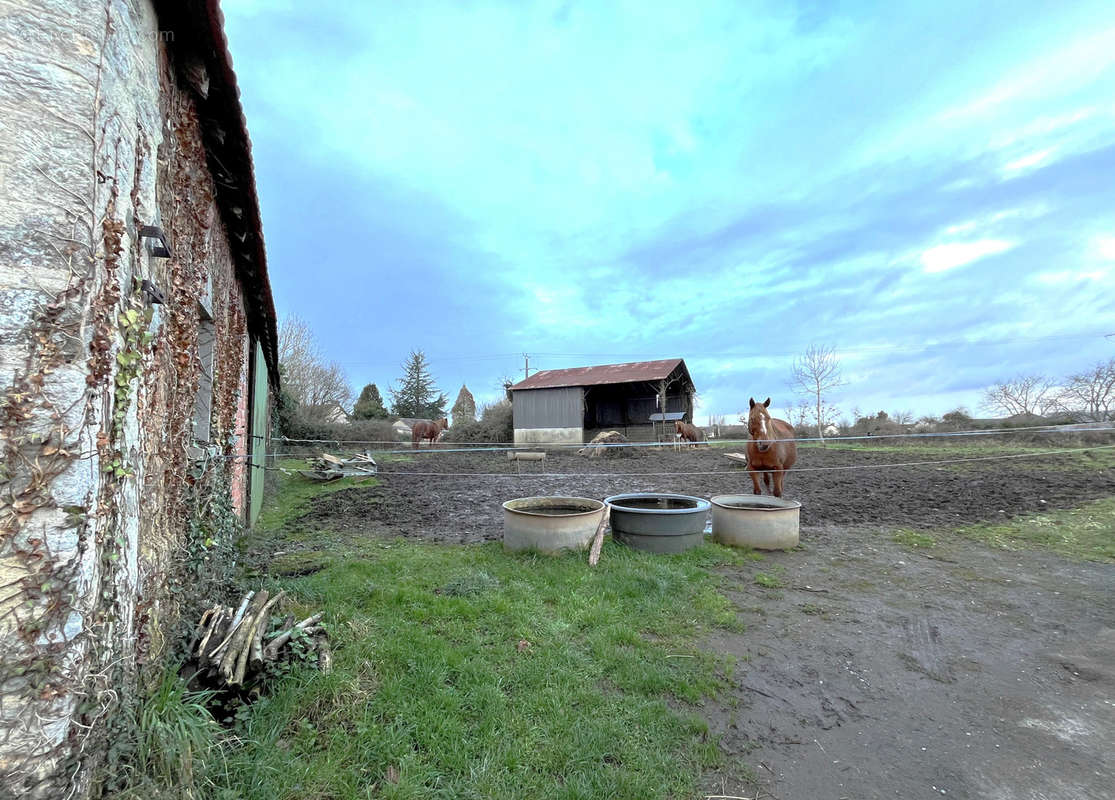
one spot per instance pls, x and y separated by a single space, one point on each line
550 524
757 521
658 523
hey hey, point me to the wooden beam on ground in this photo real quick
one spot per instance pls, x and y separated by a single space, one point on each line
519 455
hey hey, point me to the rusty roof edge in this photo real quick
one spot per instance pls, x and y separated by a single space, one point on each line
224 104
576 376
252 211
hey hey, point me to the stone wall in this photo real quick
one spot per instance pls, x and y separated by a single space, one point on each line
99 136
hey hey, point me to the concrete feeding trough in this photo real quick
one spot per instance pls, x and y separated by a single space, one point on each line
550 524
757 521
658 523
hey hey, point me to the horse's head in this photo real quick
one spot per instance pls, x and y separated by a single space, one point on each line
758 424
677 426
443 423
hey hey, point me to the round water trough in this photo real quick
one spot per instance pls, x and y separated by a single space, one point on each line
550 524
751 520
658 523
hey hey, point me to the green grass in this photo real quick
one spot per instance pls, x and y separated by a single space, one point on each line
176 745
769 581
468 672
294 492
1086 533
914 538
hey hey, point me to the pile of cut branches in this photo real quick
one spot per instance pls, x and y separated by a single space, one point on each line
237 648
328 467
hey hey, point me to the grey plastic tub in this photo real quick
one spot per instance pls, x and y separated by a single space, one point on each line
550 524
658 523
751 520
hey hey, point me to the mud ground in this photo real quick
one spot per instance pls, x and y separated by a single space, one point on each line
456 497
876 670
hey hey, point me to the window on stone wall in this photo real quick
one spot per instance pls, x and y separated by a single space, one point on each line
206 351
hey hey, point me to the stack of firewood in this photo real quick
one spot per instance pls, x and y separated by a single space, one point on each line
231 648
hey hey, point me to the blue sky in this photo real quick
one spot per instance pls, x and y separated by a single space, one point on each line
929 188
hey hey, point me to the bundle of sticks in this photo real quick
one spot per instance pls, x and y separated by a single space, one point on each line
232 647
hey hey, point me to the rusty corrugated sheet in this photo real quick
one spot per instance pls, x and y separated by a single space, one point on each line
606 373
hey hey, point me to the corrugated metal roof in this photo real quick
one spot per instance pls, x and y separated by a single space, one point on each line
595 376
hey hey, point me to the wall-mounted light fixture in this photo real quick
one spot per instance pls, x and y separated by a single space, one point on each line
157 244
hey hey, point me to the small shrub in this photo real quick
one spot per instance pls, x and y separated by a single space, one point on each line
495 425
357 432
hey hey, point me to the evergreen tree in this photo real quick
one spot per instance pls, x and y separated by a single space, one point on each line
370 405
416 395
464 410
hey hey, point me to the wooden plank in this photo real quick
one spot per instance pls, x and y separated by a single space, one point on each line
740 457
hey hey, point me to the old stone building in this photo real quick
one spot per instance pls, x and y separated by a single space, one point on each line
137 356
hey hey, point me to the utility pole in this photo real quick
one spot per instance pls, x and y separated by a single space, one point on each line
526 366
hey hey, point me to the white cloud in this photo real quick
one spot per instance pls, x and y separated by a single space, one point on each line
1025 213
1071 66
1105 245
1027 162
1070 276
956 254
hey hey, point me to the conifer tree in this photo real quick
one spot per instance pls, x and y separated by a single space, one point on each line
464 410
416 396
370 404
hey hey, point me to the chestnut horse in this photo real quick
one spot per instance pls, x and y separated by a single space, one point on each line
691 433
764 455
428 430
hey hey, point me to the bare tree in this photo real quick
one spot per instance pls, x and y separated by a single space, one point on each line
1090 395
815 374
312 382
797 415
1030 395
902 417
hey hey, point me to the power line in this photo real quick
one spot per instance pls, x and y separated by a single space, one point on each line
793 470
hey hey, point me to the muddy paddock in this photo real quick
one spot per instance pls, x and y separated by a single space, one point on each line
875 670
456 497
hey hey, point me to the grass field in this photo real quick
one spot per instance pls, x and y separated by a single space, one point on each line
463 671
468 672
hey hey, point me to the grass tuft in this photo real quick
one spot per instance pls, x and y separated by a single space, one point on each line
768 581
913 538
178 746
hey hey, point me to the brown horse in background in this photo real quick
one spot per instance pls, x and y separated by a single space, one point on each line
691 433
764 455
428 430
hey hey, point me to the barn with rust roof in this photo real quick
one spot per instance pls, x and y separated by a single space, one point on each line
573 405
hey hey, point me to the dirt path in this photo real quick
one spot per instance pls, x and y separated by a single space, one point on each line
972 674
969 674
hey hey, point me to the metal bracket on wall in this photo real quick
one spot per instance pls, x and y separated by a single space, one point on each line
157 244
153 292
